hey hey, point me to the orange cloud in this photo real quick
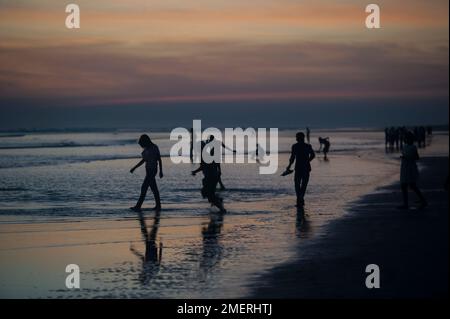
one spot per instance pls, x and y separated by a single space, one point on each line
131 53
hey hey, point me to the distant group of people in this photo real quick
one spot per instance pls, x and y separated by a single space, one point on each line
395 137
302 154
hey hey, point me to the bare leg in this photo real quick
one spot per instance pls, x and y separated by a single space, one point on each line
154 188
144 188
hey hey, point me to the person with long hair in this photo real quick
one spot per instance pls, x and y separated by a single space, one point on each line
152 159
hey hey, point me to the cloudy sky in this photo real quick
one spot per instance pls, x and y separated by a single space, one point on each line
142 52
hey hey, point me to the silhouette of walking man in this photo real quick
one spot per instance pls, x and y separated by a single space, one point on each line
302 153
152 159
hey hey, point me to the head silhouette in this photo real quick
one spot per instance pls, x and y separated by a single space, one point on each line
300 136
145 141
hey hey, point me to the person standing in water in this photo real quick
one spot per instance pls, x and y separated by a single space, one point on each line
409 173
308 134
302 153
152 159
211 173
211 140
326 146
191 150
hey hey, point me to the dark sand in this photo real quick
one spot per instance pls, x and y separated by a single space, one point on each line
410 247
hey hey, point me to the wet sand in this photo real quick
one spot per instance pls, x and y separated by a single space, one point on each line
410 247
78 213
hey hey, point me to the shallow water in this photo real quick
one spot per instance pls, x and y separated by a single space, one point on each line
65 197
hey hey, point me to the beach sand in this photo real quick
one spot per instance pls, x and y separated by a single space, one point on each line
410 248
69 205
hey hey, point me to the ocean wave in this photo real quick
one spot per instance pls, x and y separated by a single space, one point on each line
11 135
67 144
12 189
34 162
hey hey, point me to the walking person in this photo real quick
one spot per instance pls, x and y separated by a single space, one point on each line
219 144
409 173
152 159
191 145
302 154
211 176
386 138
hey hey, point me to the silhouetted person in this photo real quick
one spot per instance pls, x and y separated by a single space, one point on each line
151 260
308 134
409 172
402 136
386 137
302 154
211 174
416 136
152 159
325 142
391 138
211 140
191 151
258 155
423 136
396 138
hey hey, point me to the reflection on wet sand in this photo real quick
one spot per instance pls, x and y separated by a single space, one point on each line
212 247
302 224
151 260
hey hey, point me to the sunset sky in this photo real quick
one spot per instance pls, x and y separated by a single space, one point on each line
141 52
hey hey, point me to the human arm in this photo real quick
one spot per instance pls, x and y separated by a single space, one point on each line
228 148
292 158
137 165
197 170
160 165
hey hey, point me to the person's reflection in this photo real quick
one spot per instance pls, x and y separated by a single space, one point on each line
151 260
301 224
212 249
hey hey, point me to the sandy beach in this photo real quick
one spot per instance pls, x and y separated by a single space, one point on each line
223 150
410 247
74 210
